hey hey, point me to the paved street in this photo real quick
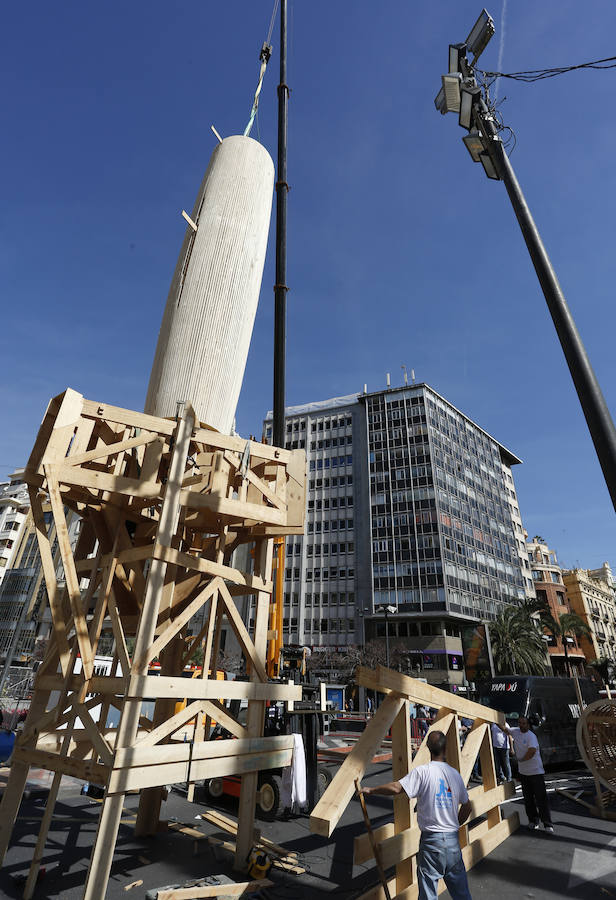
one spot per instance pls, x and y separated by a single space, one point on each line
579 861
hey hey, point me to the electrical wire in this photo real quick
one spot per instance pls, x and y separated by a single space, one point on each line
531 75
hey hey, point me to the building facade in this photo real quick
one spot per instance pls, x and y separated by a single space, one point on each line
413 530
593 599
550 589
14 507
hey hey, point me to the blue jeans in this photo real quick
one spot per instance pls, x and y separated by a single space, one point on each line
440 857
501 763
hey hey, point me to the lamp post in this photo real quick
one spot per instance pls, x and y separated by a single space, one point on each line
460 93
387 611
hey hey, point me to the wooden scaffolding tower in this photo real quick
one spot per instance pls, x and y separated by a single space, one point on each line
397 843
164 504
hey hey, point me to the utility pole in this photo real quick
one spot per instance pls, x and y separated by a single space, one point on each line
460 93
280 288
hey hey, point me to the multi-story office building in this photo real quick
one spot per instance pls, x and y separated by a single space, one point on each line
594 601
549 587
24 609
14 507
411 513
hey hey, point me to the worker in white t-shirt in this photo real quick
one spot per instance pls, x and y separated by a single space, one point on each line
531 772
442 807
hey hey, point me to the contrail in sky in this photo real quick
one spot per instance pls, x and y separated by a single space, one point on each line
501 48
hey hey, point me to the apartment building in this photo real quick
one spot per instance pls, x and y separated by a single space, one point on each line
550 589
413 529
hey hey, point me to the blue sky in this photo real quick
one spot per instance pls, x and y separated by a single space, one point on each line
400 250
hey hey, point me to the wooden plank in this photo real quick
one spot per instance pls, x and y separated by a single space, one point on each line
234 509
257 482
111 812
235 620
51 582
419 691
209 689
105 450
223 890
185 560
106 412
85 769
469 751
68 563
180 620
123 780
257 450
402 760
218 713
334 801
167 728
183 751
101 481
255 716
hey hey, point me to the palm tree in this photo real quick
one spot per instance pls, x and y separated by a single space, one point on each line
567 625
517 647
605 667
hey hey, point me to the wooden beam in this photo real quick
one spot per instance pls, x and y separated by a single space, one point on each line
106 450
85 769
123 780
213 890
235 620
334 801
255 716
111 812
68 563
187 561
420 692
177 623
182 751
209 689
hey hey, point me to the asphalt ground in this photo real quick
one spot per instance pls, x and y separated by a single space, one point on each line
578 861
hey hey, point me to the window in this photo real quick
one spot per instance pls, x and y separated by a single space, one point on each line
555 576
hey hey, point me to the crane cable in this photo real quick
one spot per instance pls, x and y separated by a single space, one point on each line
264 57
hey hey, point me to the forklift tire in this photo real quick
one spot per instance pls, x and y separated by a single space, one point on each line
270 792
213 788
324 779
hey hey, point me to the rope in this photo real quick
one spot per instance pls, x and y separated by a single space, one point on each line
266 52
264 56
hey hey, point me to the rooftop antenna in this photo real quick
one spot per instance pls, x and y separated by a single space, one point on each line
406 377
413 376
388 380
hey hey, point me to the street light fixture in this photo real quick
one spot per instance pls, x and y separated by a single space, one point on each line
480 34
461 93
474 145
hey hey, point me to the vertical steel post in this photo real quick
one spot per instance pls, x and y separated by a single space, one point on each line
280 288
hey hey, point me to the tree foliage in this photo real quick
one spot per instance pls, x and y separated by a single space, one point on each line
517 646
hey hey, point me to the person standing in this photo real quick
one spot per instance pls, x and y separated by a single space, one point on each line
442 807
500 746
531 772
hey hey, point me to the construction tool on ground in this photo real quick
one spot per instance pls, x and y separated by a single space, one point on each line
375 848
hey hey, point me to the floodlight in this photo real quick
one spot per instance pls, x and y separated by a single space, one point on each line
468 96
480 34
439 102
474 145
451 87
488 165
457 53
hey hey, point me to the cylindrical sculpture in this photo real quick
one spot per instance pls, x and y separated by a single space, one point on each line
207 324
